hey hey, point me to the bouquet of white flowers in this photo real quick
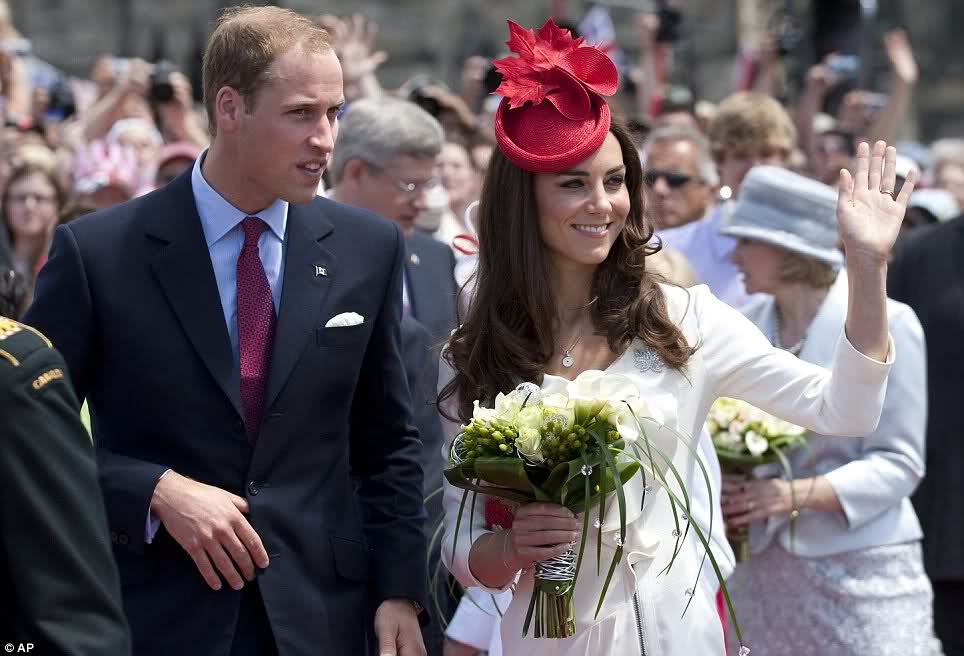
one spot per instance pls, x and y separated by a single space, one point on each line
745 437
574 444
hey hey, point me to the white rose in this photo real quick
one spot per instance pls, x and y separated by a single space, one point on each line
529 444
529 417
756 443
728 440
558 407
507 406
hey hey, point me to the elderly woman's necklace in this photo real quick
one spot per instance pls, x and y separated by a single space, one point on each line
778 340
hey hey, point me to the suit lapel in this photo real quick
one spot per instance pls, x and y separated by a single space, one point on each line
824 331
184 271
303 293
419 277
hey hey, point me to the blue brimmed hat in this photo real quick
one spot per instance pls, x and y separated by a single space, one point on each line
787 210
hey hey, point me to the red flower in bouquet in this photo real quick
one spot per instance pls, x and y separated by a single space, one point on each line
498 514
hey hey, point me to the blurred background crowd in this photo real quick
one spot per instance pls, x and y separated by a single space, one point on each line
91 117
87 126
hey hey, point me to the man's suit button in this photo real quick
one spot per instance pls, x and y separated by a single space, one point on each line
122 538
253 488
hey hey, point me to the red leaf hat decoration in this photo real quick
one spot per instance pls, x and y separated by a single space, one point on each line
552 114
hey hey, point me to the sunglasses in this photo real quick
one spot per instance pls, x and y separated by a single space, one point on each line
673 180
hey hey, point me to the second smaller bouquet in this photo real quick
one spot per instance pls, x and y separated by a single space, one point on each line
746 437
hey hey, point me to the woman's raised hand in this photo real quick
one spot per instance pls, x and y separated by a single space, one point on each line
869 211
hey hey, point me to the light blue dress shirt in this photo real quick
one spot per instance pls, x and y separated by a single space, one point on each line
221 223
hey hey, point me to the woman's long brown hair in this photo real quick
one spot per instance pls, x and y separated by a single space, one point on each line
506 337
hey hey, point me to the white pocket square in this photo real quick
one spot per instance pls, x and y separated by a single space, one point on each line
344 320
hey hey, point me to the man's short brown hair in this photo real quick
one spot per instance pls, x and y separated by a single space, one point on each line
751 123
244 44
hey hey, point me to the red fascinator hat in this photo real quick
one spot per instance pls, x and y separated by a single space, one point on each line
552 115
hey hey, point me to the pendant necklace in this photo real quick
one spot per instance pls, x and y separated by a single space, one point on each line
567 359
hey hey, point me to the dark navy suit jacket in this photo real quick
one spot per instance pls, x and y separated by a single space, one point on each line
334 481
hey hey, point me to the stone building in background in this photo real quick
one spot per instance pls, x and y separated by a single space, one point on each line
435 36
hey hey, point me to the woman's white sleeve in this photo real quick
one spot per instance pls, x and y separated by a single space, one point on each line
455 552
844 400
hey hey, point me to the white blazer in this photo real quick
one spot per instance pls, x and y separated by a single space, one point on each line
874 475
733 359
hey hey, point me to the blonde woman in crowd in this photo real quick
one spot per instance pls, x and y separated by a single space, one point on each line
836 565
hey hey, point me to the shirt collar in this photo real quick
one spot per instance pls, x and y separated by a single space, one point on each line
218 216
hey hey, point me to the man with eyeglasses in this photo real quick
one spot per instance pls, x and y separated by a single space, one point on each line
680 175
385 161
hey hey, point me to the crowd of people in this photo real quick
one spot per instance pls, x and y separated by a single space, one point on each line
264 409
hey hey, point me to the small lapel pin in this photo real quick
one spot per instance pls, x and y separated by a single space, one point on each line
321 271
415 259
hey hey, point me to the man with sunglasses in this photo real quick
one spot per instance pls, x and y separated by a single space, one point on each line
680 175
748 130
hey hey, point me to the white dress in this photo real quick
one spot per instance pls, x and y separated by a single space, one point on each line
642 610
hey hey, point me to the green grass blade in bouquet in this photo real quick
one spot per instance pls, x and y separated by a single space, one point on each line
794 513
682 500
613 471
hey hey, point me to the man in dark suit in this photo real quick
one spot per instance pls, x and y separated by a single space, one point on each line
927 273
59 581
421 367
238 342
385 162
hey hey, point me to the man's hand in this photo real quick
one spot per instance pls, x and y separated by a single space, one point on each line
397 629
208 523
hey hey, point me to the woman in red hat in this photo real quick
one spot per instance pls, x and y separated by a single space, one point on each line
563 287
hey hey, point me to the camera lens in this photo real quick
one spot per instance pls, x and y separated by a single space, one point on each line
162 90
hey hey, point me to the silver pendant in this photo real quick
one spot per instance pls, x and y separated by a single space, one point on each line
567 361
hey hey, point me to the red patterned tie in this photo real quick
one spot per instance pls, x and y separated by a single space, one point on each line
256 321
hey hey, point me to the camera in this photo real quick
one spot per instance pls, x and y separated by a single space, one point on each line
491 80
62 104
845 67
670 24
161 90
119 66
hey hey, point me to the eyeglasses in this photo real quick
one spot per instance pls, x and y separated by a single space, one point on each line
411 189
673 180
39 199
